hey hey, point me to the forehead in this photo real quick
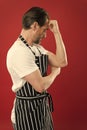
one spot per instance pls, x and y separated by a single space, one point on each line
47 22
46 25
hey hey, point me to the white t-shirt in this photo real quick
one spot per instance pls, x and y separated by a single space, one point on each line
21 62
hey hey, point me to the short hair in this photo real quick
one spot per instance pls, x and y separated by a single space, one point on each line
34 14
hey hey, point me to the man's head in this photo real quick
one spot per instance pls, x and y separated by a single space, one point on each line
36 20
35 14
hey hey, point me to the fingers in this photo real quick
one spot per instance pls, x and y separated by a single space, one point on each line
53 25
52 22
56 70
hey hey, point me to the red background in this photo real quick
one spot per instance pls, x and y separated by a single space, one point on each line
69 90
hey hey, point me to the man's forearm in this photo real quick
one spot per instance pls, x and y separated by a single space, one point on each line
60 49
48 80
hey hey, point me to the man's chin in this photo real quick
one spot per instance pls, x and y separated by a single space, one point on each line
38 42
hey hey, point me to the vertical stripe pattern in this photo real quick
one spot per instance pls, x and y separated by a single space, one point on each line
33 114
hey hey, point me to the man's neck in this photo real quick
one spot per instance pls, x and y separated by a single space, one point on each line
28 36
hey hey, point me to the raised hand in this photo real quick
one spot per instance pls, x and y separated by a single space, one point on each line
53 26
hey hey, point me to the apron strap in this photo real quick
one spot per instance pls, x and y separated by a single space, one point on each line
25 42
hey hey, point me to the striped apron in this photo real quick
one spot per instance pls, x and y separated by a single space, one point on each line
33 109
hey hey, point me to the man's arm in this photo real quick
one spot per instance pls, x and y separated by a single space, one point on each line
60 58
40 83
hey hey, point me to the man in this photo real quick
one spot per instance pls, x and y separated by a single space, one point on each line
27 63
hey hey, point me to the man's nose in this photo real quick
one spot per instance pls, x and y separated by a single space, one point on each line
45 35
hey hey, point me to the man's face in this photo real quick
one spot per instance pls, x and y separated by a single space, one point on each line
41 32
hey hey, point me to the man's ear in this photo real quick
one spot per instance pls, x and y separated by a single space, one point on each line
35 26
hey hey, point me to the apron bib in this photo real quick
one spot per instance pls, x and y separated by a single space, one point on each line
33 109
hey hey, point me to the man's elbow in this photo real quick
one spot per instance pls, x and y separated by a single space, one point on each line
64 63
40 87
40 90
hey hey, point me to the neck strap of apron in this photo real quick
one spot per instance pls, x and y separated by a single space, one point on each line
25 42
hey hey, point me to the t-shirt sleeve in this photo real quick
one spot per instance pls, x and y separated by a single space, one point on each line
24 63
